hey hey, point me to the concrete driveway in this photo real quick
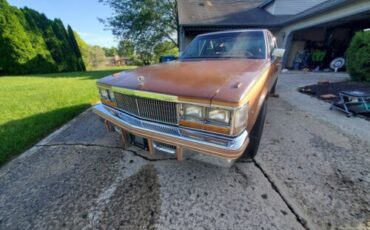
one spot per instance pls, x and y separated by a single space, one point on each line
312 172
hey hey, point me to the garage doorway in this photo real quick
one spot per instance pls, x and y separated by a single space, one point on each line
314 48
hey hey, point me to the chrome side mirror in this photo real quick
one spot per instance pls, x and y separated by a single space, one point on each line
277 52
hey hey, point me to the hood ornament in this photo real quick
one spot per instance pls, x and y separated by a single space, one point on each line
238 85
141 79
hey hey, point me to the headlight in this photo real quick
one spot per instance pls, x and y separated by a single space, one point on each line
219 120
193 112
219 116
241 117
104 93
111 95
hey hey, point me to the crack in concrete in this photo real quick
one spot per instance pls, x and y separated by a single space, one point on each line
102 146
300 219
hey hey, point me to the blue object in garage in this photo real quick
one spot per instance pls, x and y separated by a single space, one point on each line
167 58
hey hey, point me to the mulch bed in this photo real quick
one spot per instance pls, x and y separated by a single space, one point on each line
329 91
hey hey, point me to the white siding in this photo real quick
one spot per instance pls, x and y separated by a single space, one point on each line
291 7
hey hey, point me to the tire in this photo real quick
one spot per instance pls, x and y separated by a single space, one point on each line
255 135
273 89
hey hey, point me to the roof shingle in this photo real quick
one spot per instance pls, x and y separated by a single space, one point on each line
225 12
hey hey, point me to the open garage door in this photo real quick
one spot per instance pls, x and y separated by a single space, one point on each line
316 47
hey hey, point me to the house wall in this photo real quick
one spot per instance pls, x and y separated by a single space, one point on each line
291 7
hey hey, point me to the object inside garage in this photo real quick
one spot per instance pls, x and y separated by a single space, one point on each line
316 48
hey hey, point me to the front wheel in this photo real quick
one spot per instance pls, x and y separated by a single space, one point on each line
255 135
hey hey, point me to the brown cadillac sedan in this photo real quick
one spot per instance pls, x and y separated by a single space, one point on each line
209 105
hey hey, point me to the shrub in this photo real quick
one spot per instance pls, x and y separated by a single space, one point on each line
358 57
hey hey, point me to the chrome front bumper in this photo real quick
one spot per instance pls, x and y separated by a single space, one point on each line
187 141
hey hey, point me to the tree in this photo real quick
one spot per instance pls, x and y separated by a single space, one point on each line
96 56
76 49
110 52
68 58
358 57
54 44
31 43
84 49
44 61
126 49
21 51
144 23
165 49
93 56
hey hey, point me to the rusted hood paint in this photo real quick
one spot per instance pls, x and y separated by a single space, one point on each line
230 78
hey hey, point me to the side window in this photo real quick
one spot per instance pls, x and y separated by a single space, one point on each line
196 49
208 48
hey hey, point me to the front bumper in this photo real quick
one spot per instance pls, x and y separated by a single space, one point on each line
213 148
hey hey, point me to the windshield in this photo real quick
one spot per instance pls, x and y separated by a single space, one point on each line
249 44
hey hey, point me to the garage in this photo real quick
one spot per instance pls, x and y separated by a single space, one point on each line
317 39
316 48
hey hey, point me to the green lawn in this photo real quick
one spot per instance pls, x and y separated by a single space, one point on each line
32 106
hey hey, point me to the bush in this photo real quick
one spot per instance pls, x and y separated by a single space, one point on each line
358 57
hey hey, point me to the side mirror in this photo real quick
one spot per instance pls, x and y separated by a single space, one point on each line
279 53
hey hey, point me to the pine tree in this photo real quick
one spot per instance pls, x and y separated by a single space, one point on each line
32 43
68 57
52 41
84 48
17 52
76 49
29 19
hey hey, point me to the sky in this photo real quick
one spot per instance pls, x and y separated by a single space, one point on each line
81 15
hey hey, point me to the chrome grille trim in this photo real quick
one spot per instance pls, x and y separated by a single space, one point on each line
151 109
219 141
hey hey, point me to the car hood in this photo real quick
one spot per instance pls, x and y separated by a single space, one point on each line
192 79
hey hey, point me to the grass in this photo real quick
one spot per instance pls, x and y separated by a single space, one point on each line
32 106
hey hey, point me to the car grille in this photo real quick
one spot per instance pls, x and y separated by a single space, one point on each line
156 110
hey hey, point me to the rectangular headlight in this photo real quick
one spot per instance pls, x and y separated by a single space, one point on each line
193 112
219 116
111 95
104 93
